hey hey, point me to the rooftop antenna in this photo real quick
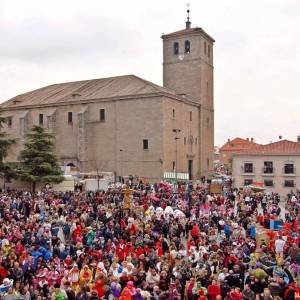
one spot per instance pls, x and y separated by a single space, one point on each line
188 23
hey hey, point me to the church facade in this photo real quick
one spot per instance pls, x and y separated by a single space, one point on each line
128 125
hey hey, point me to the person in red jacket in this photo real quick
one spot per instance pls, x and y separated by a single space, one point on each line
146 250
19 248
231 260
120 250
77 233
235 294
133 229
129 249
3 273
139 251
122 224
195 232
159 249
190 244
213 290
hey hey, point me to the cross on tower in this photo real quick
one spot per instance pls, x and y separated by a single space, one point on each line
188 23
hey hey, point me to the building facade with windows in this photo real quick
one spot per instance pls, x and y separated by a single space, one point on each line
276 166
128 125
232 147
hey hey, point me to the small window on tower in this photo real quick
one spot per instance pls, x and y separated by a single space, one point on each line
176 48
208 51
173 113
205 48
191 116
187 47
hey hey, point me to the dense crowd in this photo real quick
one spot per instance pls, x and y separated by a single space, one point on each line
143 241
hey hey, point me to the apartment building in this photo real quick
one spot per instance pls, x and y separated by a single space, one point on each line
276 165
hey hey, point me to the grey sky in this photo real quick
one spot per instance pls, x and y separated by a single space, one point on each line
257 52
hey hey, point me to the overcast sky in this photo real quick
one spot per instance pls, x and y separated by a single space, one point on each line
257 52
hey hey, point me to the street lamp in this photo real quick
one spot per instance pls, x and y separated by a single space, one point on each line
121 171
176 131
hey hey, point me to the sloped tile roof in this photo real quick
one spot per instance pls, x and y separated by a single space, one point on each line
238 144
103 88
283 147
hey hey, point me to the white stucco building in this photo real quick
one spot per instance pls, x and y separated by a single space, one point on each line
276 165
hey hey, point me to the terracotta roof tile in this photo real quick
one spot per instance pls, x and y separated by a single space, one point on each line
238 144
283 147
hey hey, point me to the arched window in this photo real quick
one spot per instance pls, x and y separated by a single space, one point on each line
176 48
187 47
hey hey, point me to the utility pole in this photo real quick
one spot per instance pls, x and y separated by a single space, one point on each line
176 131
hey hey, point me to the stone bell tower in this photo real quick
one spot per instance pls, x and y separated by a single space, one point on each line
188 70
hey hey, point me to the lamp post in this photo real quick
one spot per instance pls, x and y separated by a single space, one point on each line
176 131
121 171
98 183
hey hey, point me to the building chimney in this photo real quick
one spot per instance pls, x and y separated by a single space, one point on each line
252 140
298 138
228 140
247 139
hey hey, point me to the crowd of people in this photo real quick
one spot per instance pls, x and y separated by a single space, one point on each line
141 241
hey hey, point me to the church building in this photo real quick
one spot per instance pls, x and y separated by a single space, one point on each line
128 125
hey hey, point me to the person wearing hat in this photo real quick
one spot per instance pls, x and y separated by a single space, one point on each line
125 294
85 275
7 283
